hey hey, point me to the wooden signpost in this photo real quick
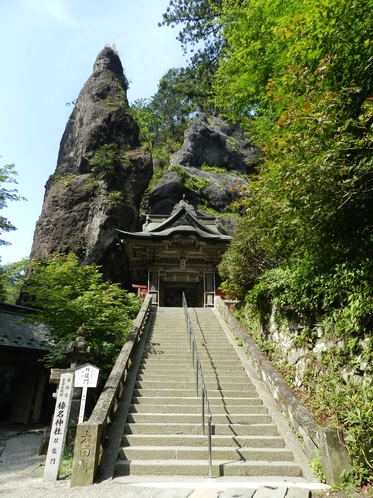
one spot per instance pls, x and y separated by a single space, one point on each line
85 376
59 427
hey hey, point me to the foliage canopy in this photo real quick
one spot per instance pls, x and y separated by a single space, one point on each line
12 276
299 78
73 297
7 174
309 207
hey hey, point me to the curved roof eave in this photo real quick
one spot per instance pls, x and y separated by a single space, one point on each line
182 229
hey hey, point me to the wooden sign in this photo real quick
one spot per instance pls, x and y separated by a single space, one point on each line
59 427
85 376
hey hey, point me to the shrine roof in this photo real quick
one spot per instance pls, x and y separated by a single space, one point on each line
169 232
183 220
16 333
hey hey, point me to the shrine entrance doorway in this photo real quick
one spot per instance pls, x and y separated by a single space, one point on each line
173 294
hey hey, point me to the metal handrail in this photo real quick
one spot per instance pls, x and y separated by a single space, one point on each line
198 367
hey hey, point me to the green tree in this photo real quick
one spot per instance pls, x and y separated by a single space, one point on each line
305 243
73 297
200 34
7 174
148 123
171 108
255 50
310 203
165 115
199 19
12 277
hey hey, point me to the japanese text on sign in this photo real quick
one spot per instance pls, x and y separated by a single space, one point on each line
59 427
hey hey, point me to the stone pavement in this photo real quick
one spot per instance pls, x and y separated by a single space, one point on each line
21 476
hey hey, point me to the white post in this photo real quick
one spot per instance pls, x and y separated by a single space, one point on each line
82 404
59 427
85 376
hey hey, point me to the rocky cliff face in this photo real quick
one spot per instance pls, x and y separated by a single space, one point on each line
210 169
101 175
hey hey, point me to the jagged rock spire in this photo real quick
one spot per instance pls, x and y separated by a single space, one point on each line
83 203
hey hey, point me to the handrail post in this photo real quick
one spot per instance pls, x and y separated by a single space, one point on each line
198 367
203 412
209 446
193 355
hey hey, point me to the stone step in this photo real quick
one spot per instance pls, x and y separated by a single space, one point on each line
192 392
201 453
174 343
152 380
150 374
164 368
180 370
195 418
193 429
215 343
210 383
188 375
196 401
173 353
216 409
180 363
200 440
159 339
200 468
181 366
163 431
186 356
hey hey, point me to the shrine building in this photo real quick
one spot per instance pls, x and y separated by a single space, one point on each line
174 254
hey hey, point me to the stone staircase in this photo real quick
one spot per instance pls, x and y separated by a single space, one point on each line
163 433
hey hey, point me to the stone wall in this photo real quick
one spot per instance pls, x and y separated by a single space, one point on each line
319 442
301 343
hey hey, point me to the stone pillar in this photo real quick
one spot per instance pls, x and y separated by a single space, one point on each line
77 351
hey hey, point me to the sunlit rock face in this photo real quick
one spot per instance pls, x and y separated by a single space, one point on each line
210 169
101 174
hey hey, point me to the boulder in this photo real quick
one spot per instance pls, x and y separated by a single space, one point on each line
213 142
210 170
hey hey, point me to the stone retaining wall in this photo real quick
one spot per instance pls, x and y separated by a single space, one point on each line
319 441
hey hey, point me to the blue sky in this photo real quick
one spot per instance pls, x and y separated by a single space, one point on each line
47 51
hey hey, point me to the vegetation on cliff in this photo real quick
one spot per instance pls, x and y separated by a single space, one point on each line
304 246
298 77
